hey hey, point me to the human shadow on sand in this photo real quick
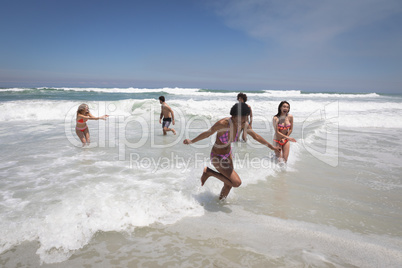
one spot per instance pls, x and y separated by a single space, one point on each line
211 202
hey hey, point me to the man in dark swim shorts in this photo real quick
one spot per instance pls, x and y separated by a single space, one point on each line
166 122
167 115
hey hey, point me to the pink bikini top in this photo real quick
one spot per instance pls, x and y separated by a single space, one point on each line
225 137
283 127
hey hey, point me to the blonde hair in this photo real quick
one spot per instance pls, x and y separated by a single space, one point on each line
81 109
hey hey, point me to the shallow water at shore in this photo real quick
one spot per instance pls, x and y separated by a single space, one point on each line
130 201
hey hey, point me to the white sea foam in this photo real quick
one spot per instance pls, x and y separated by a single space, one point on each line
174 91
202 92
298 93
13 89
60 196
70 210
350 113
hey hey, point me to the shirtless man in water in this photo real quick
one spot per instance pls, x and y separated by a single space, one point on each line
241 97
167 115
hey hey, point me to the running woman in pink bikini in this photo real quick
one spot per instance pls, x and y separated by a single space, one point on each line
228 130
283 126
83 115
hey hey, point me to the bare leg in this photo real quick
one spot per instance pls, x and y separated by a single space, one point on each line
285 151
278 155
205 175
226 174
225 191
209 172
165 130
86 132
81 136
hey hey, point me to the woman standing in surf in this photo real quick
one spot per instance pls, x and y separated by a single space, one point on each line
228 130
83 115
283 126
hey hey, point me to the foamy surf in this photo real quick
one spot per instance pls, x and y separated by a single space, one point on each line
134 192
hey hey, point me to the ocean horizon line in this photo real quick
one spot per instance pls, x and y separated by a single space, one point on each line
195 89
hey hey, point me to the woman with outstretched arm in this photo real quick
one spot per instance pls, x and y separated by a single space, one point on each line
227 130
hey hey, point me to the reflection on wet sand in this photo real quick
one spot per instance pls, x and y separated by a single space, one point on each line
280 200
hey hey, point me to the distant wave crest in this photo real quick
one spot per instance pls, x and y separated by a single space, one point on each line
197 92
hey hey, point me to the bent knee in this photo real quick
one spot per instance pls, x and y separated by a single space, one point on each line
237 183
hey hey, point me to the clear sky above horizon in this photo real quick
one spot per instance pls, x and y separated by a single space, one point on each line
312 45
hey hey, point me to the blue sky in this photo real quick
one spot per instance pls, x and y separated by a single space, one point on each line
312 45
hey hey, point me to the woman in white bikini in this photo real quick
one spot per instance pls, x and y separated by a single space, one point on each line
83 115
283 126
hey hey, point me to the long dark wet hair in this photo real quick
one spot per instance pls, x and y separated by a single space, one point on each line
280 106
240 109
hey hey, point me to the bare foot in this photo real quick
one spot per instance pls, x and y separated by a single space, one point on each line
174 131
224 192
204 176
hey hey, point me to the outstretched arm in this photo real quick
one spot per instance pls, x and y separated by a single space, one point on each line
262 140
217 126
91 117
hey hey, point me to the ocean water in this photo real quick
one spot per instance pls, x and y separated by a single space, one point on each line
133 197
